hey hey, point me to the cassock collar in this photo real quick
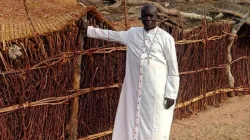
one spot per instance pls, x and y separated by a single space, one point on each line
152 30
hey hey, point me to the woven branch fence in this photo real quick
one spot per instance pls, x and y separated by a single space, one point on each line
66 86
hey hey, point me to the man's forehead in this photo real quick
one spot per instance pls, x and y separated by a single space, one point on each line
149 9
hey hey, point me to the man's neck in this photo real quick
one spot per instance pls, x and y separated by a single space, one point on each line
148 29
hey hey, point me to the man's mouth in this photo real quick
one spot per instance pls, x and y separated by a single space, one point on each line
147 22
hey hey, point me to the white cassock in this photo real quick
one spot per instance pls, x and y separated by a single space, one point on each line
141 114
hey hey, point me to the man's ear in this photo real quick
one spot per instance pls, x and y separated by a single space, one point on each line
139 18
157 17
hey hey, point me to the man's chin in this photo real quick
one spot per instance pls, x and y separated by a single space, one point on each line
149 27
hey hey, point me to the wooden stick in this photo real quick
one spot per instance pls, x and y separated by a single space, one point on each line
72 126
218 67
125 14
234 31
213 38
99 135
5 64
211 93
29 17
55 100
234 13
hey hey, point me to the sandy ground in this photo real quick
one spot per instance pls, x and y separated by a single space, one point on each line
230 121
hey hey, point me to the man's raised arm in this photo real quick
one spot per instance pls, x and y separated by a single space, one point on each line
109 35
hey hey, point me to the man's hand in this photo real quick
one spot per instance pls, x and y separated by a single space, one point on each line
83 25
168 103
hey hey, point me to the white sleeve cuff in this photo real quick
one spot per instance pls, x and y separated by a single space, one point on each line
172 87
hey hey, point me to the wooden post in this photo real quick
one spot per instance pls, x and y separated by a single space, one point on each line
125 14
234 31
73 122
228 67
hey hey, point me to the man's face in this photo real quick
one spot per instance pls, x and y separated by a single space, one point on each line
149 17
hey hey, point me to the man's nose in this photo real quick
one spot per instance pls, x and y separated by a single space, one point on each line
147 18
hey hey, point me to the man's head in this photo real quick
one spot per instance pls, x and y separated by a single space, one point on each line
149 16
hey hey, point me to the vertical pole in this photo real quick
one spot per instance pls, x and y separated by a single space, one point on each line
125 14
234 31
228 68
73 122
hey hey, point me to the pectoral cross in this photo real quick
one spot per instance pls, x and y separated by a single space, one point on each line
148 59
149 49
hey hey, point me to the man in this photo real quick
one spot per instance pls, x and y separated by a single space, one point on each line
151 84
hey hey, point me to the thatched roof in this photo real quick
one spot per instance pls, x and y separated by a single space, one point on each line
22 19
25 18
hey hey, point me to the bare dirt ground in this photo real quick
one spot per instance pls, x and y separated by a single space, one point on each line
230 121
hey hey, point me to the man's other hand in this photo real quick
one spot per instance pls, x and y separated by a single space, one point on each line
168 103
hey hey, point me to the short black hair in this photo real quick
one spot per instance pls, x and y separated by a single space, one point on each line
149 6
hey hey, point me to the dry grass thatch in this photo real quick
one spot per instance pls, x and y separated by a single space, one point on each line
27 18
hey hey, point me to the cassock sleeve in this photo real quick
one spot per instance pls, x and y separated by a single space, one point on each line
173 79
109 35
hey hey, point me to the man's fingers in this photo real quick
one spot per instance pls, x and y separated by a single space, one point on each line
169 104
